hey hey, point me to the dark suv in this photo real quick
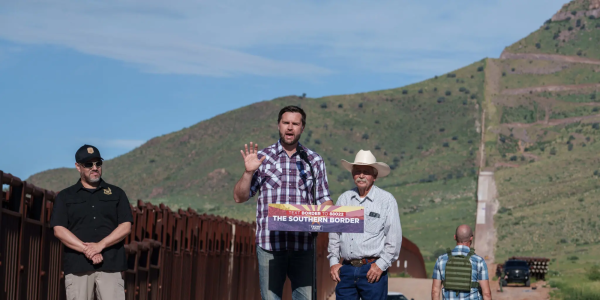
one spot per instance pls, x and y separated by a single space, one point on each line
515 271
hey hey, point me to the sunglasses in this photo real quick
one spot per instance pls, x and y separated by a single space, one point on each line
88 165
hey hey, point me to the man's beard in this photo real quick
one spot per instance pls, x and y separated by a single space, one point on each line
282 139
89 179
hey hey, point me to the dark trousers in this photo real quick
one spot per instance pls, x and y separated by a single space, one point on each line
354 284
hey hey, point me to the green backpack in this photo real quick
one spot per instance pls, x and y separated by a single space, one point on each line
457 275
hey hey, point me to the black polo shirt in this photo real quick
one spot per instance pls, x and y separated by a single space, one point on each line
91 215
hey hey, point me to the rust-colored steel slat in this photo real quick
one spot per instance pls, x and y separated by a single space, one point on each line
51 259
180 270
132 253
235 267
31 242
200 259
224 258
10 271
154 261
4 198
144 248
167 266
212 273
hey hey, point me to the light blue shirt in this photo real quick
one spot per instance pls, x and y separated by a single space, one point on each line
383 233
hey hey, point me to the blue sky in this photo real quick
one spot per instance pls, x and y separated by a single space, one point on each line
117 73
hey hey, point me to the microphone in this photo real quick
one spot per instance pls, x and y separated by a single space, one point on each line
304 157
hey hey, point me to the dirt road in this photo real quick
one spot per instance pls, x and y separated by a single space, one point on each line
420 289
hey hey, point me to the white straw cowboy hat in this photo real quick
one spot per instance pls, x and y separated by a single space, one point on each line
366 158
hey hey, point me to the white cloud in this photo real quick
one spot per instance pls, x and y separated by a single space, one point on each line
278 37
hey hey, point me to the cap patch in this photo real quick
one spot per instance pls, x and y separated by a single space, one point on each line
90 150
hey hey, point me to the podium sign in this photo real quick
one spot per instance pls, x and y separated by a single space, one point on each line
316 218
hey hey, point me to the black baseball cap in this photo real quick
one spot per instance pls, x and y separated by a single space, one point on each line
87 152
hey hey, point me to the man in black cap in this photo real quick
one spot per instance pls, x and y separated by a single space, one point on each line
91 218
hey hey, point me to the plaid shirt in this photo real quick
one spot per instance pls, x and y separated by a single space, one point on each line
286 180
480 272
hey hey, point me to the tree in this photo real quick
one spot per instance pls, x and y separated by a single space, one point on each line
365 136
323 105
404 92
448 93
480 69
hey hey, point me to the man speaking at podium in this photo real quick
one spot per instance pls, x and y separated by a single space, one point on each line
282 176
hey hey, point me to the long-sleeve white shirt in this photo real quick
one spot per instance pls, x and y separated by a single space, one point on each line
383 233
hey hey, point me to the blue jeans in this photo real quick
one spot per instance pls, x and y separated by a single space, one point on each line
354 284
274 266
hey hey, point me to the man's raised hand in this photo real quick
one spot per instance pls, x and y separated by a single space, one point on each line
251 160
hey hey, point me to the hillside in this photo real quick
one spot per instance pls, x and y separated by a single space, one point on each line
540 104
426 132
542 130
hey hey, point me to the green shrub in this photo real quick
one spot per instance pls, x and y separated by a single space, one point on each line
404 92
323 105
593 273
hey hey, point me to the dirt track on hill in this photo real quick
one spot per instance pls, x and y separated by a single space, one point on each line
420 289
549 88
551 122
552 57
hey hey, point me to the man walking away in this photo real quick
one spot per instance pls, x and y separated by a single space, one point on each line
462 273
91 218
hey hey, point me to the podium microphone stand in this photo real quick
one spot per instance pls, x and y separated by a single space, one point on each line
304 157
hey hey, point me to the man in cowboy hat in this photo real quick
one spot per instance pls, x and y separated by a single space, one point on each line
359 261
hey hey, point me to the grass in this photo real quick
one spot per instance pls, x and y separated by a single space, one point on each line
563 186
574 74
431 212
592 97
556 38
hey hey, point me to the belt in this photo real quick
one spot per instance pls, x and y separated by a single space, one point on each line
360 262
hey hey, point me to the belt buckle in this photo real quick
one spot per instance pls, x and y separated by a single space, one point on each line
356 263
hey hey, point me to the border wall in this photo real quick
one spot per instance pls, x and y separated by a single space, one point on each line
176 255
